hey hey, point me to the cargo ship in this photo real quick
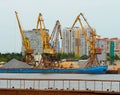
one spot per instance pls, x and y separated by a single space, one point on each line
90 70
15 66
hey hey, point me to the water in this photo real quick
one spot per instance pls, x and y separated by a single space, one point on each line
63 76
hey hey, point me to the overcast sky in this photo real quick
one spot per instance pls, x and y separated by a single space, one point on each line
103 15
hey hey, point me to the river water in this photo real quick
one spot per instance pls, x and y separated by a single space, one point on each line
63 76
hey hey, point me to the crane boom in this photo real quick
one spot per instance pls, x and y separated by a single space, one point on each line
56 31
28 53
90 42
39 21
25 40
44 35
48 54
83 29
55 35
20 28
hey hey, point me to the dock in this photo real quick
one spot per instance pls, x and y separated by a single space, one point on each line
26 86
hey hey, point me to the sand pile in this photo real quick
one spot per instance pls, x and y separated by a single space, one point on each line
69 65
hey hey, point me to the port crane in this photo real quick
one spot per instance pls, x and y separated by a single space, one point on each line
28 58
49 49
44 35
55 36
90 41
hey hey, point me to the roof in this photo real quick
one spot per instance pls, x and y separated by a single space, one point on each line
16 64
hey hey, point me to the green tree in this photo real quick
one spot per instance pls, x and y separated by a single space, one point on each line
84 57
116 57
8 56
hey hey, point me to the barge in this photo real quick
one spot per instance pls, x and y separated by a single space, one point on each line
90 70
15 66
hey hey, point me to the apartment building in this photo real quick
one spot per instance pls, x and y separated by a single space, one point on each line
71 40
75 42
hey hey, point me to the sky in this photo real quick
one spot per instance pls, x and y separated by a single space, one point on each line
103 15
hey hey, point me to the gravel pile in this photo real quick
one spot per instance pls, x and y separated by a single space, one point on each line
16 64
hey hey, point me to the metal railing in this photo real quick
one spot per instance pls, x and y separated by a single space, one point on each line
61 84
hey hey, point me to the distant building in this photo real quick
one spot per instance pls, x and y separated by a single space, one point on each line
35 41
84 49
116 45
75 42
71 40
58 47
102 43
65 40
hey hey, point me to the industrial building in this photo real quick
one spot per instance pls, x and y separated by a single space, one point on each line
116 45
101 43
35 41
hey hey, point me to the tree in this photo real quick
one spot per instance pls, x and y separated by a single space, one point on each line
8 56
84 57
116 57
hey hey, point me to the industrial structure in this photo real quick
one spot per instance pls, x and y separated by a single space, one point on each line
101 43
73 42
49 42
38 44
78 45
93 51
116 45
28 58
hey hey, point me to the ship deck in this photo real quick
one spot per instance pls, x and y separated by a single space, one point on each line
22 86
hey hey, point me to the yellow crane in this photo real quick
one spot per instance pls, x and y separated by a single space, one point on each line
47 52
28 53
44 35
90 41
49 49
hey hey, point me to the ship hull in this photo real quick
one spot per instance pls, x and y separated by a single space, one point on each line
90 70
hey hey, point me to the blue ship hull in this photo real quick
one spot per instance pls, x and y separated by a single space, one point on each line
91 70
